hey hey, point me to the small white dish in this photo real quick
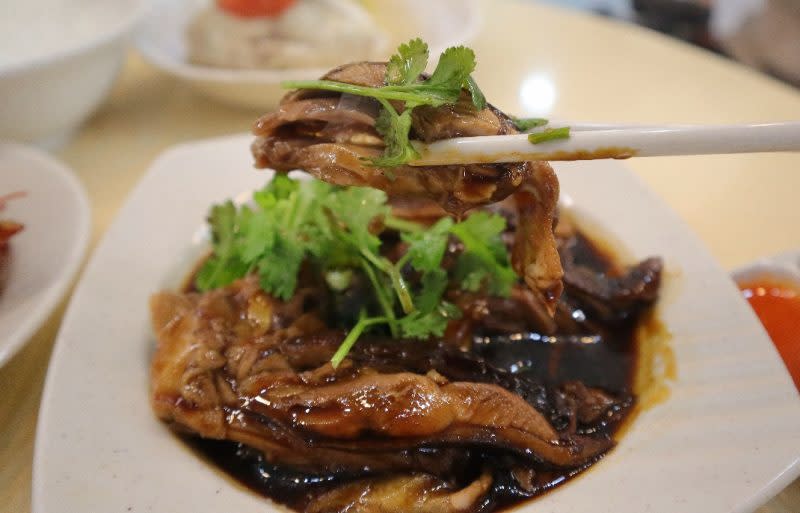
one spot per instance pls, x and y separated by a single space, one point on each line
785 266
725 441
50 92
48 252
162 41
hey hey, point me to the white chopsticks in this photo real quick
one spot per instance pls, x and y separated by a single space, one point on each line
599 141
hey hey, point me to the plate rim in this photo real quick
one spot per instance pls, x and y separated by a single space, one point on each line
785 263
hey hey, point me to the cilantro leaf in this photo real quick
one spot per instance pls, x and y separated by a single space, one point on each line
224 265
218 272
485 253
426 248
395 129
453 74
549 134
473 275
223 225
432 314
418 94
470 273
355 208
334 230
258 233
478 99
455 65
425 325
279 268
525 124
434 284
279 188
408 63
482 225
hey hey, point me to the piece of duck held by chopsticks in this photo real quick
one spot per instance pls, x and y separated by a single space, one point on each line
353 128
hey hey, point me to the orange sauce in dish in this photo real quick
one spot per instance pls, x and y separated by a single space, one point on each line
777 304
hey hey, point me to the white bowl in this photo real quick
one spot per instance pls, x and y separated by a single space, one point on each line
162 41
784 267
46 96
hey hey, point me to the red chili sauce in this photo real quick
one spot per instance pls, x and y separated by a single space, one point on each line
777 304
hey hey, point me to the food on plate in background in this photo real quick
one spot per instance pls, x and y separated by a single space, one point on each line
283 34
384 337
8 229
776 301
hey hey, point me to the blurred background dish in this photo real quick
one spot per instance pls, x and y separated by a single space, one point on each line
191 39
46 254
772 287
58 60
763 34
283 34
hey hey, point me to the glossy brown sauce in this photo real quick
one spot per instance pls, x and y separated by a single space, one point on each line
617 359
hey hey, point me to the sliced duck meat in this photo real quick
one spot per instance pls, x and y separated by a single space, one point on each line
611 294
224 370
209 346
330 137
415 493
405 410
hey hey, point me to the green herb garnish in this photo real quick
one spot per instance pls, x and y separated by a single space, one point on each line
525 124
485 263
336 230
395 129
403 84
549 134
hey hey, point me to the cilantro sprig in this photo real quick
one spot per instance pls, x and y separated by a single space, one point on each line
337 231
453 73
525 124
549 134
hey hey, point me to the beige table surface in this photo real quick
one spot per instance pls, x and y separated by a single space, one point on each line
743 207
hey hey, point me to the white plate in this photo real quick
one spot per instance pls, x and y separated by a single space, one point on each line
162 41
48 252
726 440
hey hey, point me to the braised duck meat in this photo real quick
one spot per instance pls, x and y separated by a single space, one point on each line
333 136
450 424
610 297
389 337
234 364
220 373
414 493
